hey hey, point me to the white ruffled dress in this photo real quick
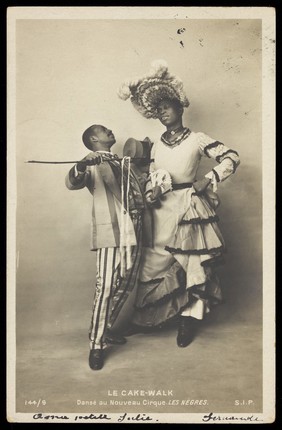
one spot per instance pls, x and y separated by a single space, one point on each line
177 274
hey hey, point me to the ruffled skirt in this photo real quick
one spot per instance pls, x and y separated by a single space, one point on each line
178 271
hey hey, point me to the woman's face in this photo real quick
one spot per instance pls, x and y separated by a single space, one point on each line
169 112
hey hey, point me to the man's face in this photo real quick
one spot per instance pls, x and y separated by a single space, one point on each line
168 112
104 136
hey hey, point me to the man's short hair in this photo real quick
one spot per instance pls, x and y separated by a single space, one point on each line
89 132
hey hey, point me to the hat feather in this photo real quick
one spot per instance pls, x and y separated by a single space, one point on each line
158 68
146 92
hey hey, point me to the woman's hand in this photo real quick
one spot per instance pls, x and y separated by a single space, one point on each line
154 197
200 186
156 193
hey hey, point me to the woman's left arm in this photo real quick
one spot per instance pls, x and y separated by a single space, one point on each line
228 160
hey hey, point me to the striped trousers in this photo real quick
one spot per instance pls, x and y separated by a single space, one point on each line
111 289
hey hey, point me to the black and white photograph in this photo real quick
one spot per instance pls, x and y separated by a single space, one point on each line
141 163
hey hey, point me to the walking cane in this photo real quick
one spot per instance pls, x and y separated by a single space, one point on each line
92 163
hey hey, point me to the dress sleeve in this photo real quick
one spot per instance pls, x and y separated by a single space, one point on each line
227 159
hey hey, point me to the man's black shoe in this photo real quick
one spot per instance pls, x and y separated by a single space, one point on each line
96 359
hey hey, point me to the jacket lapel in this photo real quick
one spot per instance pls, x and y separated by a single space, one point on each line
109 179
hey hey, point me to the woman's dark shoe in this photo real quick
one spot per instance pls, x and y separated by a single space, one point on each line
96 359
186 331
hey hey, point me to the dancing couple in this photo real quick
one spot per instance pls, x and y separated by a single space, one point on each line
154 226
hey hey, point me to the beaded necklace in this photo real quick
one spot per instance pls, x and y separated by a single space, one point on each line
185 133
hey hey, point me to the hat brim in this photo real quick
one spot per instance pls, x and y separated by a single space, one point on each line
138 150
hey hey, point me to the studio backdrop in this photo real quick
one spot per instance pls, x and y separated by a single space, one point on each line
68 73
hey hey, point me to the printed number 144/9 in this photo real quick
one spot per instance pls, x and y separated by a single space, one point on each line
36 403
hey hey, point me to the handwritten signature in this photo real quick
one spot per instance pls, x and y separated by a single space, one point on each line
122 417
142 417
212 417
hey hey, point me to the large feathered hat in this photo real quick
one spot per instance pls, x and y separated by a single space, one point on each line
147 91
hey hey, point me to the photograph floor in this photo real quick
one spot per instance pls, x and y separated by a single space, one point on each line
222 367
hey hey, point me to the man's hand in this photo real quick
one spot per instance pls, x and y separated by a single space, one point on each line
201 185
91 160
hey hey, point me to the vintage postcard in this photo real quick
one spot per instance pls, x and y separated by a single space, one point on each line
141 165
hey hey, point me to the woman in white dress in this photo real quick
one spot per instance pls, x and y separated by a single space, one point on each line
177 274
